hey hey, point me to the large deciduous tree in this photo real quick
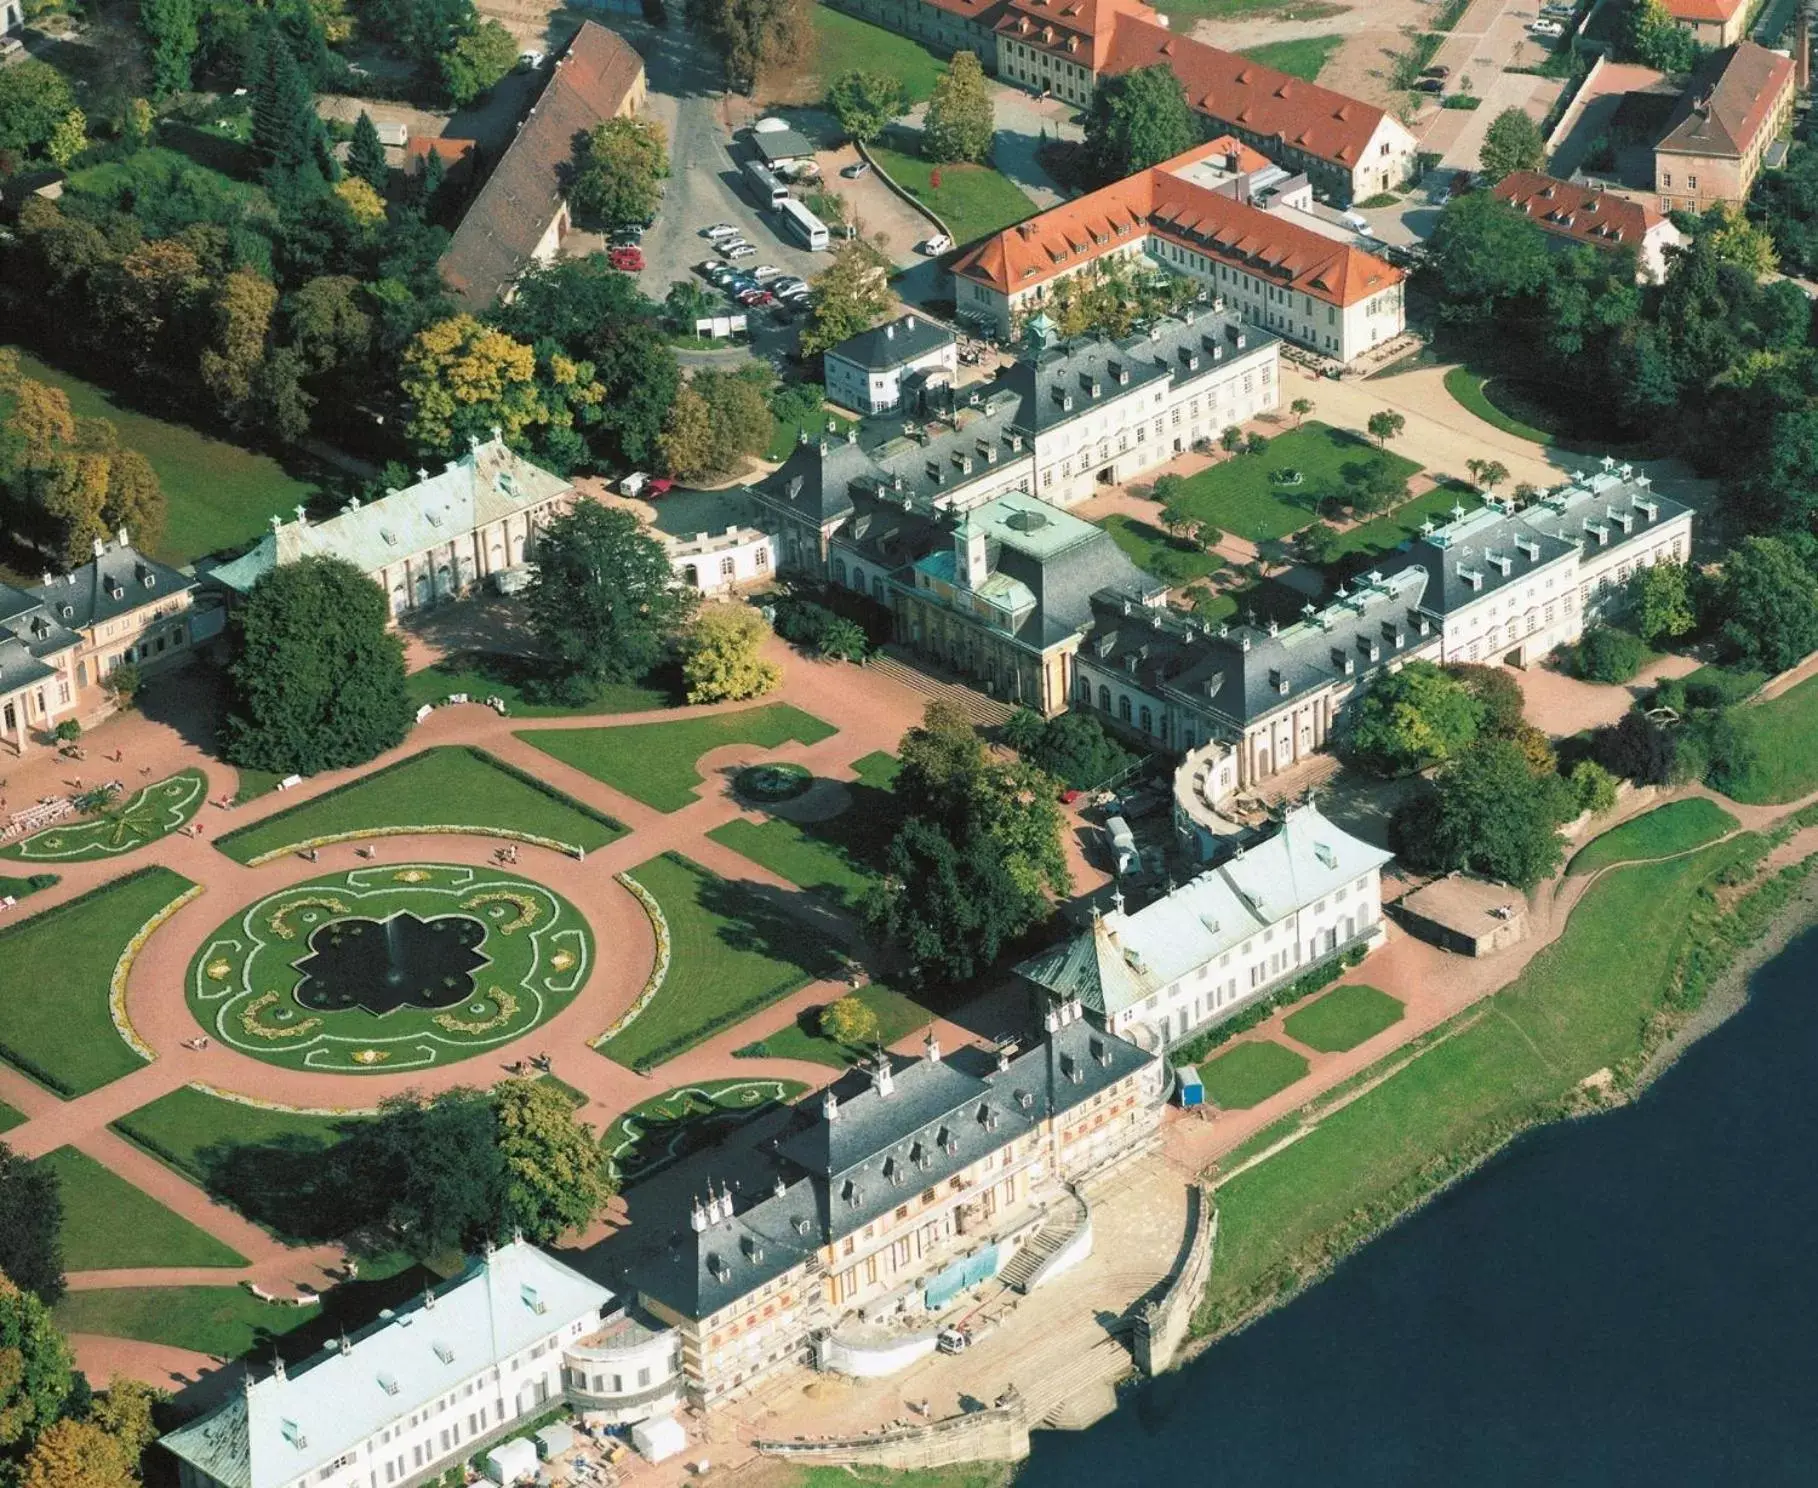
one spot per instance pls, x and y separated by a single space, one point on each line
476 60
241 323
34 101
849 297
1768 602
465 378
1488 812
864 102
717 420
1411 719
434 1169
960 122
318 678
1660 602
78 1454
31 1226
1512 143
753 37
36 1372
1138 119
605 603
1485 254
722 657
618 174
173 31
557 1174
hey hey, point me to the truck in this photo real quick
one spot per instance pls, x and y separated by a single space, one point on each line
1124 856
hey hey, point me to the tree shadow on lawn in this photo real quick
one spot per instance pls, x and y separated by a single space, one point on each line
860 832
300 1188
794 929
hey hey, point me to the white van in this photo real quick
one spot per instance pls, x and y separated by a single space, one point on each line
1124 857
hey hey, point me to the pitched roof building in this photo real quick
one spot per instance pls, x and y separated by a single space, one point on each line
1737 102
1326 295
1569 213
1712 23
520 215
866 372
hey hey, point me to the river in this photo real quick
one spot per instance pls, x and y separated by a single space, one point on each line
1630 1299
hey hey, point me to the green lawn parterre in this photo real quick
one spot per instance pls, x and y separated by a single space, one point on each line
9 1118
1780 733
109 1225
733 952
898 1016
1388 532
151 812
655 762
226 1321
877 769
1250 1073
1242 496
1675 827
187 1126
1305 57
1343 1018
1171 559
658 1131
1468 389
249 984
449 788
800 854
56 969
486 674
973 200
845 44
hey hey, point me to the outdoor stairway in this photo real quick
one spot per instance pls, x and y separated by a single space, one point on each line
1024 1271
978 709
1076 1392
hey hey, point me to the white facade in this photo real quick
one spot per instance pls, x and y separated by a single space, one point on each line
12 17
720 562
865 373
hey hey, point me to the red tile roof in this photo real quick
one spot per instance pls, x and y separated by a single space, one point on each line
1703 10
1159 202
1079 30
1731 97
1581 213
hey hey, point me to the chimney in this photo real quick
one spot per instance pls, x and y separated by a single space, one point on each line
830 1106
697 1218
101 547
890 333
931 1047
122 536
883 1078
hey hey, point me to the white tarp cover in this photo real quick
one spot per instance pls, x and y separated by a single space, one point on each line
555 1440
659 1437
509 1461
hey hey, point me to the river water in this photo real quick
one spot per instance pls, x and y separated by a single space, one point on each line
1631 1299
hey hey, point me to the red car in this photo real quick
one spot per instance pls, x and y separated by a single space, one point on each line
627 260
661 486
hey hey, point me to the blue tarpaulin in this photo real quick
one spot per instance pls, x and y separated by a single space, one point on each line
968 1271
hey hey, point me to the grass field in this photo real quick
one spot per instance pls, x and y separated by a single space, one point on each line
732 953
1343 1018
655 762
223 1320
56 968
1579 1006
799 854
658 1131
1242 496
189 1127
1171 559
1467 388
846 43
1781 732
219 494
786 431
973 200
1250 1074
877 769
109 1225
9 1118
151 812
483 674
450 786
1388 532
898 1016
1721 686
1675 827
1303 58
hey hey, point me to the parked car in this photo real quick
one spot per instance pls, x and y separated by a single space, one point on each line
751 299
1546 28
1429 85
789 282
627 260
720 230
530 61
1437 72
939 243
765 271
659 486
740 250
856 169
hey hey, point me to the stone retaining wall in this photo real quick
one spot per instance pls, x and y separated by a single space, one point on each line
1161 1326
999 1434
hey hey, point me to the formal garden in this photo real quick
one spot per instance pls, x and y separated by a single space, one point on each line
390 968
151 812
659 1131
1343 1018
1250 1073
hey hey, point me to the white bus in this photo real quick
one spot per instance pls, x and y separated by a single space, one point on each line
769 191
802 225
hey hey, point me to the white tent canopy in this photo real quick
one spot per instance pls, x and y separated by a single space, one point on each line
509 1461
659 1437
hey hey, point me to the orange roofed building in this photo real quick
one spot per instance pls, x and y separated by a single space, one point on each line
1350 149
1713 23
1325 295
1570 213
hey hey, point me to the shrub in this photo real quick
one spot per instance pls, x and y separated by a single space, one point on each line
1593 787
1637 749
843 640
1605 654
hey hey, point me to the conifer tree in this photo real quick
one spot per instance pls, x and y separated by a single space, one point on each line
366 156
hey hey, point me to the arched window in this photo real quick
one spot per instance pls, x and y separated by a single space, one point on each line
1123 706
839 570
858 578
1148 720
1085 691
1104 699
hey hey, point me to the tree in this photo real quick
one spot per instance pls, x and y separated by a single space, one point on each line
1138 119
478 58
864 102
173 30
1384 426
36 1373
1300 408
1736 240
242 314
686 303
1593 787
722 659
1074 748
960 122
1654 39
843 640
1768 605
1485 253
753 37
286 131
1231 438
1513 142
125 1411
850 1021
435 1170
1637 749
1320 543
31 1226
34 100
464 378
318 679
1497 690
1413 718
1660 602
1487 475
717 420
618 176
605 603
849 297
1488 813
558 1176
366 155
1374 485
77 1454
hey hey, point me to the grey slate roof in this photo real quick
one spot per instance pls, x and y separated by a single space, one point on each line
29 635
894 344
781 144
115 582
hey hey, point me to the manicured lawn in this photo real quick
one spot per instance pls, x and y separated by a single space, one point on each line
1467 387
658 1131
219 494
732 952
1580 1006
1171 559
483 674
878 769
1243 496
1388 532
20 888
1675 827
1302 59
792 851
193 1130
973 200
847 43
655 762
226 1321
448 787
1343 1018
151 812
56 968
9 1118
109 1225
254 783
897 1017
1780 732
1250 1074
1724 685
787 431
